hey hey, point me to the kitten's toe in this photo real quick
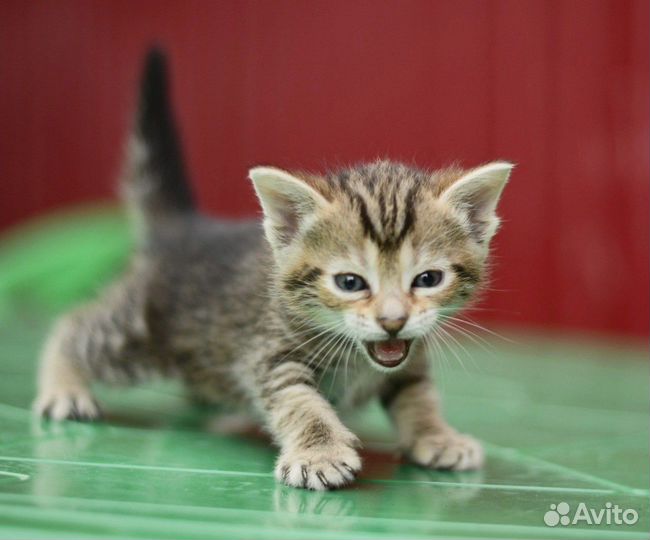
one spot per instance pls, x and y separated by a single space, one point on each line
75 404
447 450
318 468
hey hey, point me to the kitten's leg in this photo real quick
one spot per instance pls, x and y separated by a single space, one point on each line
316 450
95 342
426 438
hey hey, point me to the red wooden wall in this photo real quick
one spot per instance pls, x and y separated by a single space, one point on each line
560 87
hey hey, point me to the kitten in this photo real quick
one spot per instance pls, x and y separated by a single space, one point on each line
328 306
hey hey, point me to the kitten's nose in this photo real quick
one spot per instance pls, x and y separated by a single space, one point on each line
392 325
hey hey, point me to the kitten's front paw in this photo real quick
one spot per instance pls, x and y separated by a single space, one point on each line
70 404
447 450
321 467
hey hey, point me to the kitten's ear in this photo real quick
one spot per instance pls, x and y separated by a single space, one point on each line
286 201
477 194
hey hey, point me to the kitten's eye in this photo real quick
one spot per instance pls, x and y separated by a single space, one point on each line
350 282
428 279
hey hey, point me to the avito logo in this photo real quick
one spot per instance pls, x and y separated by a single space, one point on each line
611 514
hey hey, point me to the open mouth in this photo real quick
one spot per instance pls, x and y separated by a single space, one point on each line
390 352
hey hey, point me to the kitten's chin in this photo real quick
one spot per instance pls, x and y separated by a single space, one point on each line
388 353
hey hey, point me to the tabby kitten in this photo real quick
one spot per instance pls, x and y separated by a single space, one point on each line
329 306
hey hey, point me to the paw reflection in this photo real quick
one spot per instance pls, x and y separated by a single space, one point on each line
299 501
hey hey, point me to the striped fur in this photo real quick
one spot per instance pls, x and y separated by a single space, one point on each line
251 316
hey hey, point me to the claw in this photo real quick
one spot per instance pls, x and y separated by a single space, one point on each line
305 479
323 480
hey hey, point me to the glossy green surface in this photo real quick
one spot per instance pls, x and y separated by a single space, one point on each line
561 422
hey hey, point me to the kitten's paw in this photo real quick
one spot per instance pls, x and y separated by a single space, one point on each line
71 404
319 468
447 450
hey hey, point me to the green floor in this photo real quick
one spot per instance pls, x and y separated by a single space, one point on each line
561 421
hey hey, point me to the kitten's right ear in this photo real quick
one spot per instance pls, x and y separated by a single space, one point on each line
286 201
477 194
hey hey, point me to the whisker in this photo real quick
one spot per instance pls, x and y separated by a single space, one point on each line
327 361
348 351
473 336
316 354
437 356
480 327
484 345
327 358
461 346
439 332
338 361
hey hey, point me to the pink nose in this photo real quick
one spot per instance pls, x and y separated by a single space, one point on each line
392 325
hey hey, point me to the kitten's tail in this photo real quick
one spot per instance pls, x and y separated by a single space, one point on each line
154 183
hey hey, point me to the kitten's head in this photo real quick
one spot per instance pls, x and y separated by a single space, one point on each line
378 252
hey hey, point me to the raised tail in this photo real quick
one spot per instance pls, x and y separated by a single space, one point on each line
154 183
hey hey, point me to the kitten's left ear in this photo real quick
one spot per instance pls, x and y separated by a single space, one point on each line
477 194
286 200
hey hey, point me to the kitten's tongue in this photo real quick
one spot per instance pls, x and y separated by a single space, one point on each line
389 352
